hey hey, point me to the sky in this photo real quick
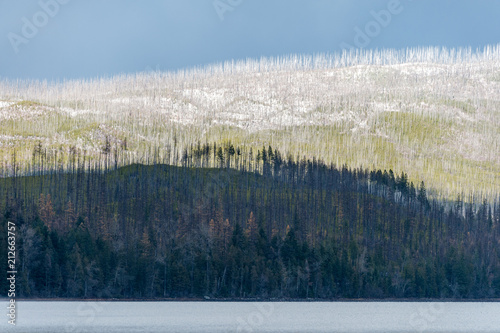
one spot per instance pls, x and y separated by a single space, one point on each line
71 39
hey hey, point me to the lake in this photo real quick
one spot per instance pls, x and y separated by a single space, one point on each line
108 317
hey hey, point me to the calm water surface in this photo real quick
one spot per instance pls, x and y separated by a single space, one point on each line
107 317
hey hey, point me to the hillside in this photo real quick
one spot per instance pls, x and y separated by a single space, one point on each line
304 230
433 113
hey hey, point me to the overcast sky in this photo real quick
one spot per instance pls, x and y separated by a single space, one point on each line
90 38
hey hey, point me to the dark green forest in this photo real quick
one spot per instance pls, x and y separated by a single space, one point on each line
230 223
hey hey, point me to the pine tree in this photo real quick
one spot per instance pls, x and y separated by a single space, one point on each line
251 228
46 212
422 195
220 157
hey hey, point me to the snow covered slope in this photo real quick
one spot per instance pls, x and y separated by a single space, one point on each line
430 112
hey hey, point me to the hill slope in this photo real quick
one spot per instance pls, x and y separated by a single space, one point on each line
306 230
432 113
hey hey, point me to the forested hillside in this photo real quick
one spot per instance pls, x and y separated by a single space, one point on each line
227 221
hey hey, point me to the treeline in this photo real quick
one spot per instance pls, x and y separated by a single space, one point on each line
229 223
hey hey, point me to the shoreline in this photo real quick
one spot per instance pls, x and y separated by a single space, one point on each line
244 300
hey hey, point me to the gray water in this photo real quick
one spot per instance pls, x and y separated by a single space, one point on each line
107 317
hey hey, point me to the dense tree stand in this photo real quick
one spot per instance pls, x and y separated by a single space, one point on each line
231 223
